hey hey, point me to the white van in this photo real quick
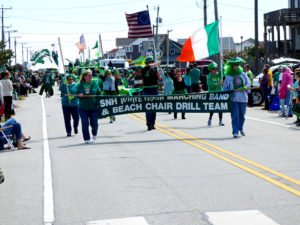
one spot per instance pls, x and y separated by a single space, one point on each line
117 63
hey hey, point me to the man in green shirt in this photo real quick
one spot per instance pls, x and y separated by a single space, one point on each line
195 78
250 76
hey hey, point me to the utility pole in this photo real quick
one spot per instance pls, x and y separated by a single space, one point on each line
10 31
256 36
2 20
205 12
168 46
27 63
216 10
16 50
23 52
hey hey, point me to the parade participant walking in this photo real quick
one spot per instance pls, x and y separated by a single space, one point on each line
236 80
69 104
250 76
7 90
264 86
195 78
88 105
150 78
214 83
284 93
109 88
47 83
138 80
179 88
188 80
168 81
270 73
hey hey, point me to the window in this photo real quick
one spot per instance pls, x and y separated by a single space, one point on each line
172 50
129 48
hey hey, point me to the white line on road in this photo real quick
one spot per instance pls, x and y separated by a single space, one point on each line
247 217
123 221
48 189
274 123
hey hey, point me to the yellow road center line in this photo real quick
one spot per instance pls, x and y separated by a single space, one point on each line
231 154
258 174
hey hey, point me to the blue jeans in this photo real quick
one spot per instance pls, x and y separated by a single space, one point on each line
238 116
150 116
288 102
88 117
68 112
15 130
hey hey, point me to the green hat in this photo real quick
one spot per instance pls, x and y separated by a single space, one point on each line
69 75
138 68
116 72
149 59
106 72
236 60
212 65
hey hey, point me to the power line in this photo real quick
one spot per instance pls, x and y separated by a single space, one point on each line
79 7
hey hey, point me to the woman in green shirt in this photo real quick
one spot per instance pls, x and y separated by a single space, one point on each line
214 83
88 105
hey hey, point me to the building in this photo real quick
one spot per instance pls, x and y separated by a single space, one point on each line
243 46
289 20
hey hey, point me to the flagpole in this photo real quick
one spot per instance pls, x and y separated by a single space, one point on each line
221 52
62 60
100 43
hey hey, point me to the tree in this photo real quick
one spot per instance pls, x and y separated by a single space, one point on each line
5 55
261 52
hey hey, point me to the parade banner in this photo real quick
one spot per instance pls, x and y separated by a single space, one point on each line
192 103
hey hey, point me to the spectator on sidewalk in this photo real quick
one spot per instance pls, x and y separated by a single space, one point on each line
284 93
7 94
264 86
15 131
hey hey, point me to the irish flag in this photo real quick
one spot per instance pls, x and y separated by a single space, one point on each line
203 43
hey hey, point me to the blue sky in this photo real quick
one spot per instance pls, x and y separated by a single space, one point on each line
40 23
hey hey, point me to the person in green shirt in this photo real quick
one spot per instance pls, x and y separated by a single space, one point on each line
47 83
88 105
214 83
250 76
69 104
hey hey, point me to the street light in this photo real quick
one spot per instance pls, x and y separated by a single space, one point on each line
168 46
241 43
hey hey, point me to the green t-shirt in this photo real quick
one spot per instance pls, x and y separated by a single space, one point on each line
195 76
212 80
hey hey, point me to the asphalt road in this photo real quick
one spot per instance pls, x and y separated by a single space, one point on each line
182 173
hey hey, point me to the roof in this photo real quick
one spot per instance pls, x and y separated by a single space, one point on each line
227 43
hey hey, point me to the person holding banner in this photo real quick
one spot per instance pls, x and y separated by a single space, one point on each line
88 90
138 80
179 88
214 82
109 88
150 78
69 104
236 80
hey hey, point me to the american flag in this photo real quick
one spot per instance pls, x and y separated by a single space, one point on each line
139 25
81 44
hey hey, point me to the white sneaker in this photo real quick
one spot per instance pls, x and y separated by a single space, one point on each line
94 138
87 141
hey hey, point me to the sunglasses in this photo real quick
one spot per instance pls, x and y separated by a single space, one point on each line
214 69
235 64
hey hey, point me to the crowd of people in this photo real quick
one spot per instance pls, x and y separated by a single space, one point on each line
79 92
285 88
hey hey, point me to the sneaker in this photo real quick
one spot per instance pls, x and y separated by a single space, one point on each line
110 121
153 127
87 141
290 116
175 116
183 117
114 118
242 133
209 123
235 136
76 130
149 128
282 115
221 123
68 134
94 138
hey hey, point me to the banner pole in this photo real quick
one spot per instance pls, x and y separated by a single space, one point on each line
62 60
221 46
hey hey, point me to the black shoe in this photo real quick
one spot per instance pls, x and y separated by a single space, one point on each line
75 130
183 117
149 128
69 134
290 115
153 127
1 177
175 116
